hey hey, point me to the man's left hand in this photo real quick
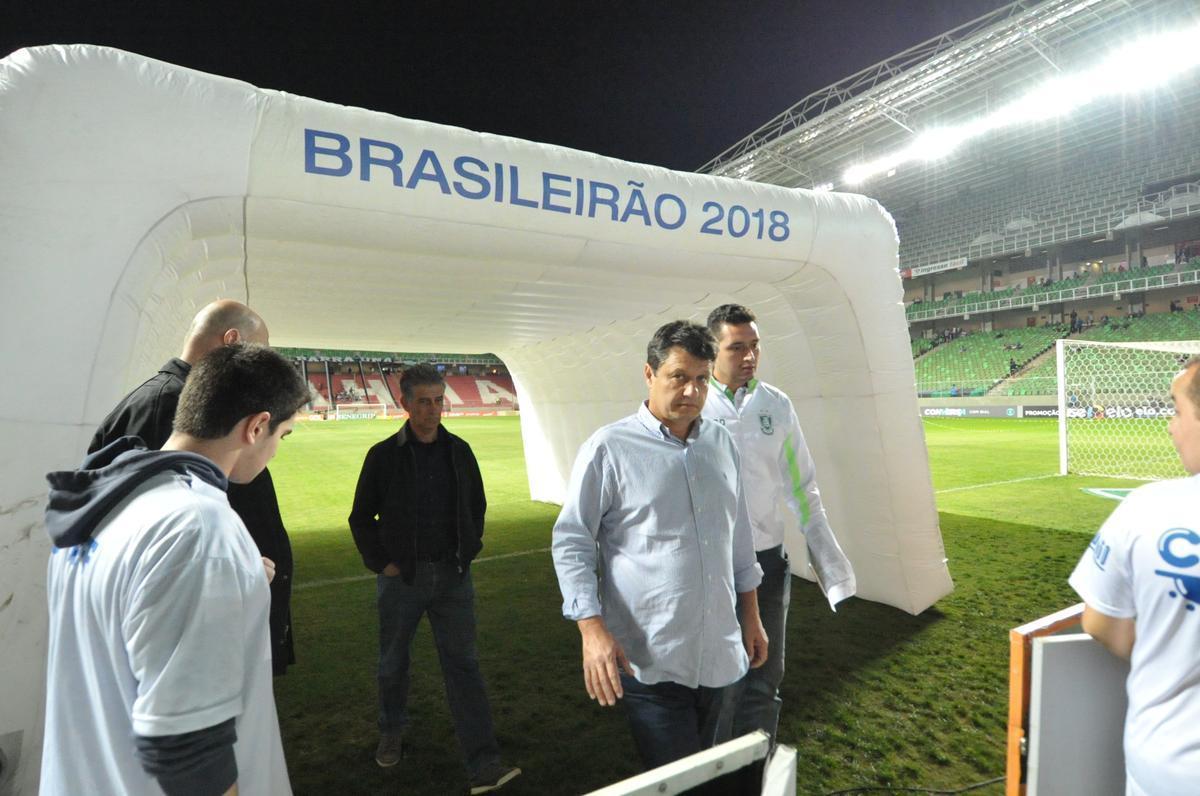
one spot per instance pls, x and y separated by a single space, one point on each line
754 636
269 568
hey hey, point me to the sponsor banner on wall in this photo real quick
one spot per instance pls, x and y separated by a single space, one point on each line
1146 411
933 268
971 411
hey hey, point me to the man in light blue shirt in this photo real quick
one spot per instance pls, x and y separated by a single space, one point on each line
655 557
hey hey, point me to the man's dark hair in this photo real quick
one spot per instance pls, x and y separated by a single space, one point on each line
418 376
233 382
732 314
691 337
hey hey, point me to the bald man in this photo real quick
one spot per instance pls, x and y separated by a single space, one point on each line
148 413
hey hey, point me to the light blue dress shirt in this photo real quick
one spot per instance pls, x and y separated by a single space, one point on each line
654 537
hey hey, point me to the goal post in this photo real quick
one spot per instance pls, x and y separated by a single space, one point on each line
359 411
1113 407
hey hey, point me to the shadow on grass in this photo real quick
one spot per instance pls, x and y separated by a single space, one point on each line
872 695
876 697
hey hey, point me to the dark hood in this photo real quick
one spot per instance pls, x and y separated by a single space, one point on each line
80 499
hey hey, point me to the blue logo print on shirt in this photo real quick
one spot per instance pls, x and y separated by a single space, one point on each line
78 554
1100 551
1180 547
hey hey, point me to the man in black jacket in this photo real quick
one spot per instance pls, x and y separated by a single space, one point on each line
148 411
418 522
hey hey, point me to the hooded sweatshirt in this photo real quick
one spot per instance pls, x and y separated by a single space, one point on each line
80 502
80 499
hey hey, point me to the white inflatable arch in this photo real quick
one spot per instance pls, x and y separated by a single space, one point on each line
132 192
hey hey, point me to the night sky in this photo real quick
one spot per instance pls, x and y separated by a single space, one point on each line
668 83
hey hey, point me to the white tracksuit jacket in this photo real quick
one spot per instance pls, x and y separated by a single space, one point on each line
777 468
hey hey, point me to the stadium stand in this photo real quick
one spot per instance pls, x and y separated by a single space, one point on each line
1083 196
975 363
481 382
463 393
975 297
1041 379
921 346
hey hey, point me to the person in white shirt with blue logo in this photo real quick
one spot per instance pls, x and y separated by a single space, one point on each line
1140 582
778 472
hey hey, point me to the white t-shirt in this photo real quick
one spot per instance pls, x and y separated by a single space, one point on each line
1144 564
158 627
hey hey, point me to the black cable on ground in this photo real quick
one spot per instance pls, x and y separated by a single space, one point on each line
936 791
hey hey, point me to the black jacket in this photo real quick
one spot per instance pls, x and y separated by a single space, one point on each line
149 412
383 520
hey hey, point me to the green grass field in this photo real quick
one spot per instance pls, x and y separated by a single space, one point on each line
872 696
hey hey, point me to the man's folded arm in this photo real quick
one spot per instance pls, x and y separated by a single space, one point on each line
198 763
364 523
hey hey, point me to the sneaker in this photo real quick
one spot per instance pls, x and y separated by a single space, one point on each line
388 753
493 778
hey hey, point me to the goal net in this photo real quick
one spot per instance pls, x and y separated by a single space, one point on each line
358 411
1113 407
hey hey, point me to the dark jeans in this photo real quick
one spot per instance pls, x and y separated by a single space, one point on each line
449 599
756 700
670 721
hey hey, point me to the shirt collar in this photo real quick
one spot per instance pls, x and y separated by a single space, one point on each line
730 393
658 428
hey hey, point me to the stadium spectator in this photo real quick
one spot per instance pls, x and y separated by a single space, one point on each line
777 468
147 413
1140 582
1013 367
655 503
158 670
418 523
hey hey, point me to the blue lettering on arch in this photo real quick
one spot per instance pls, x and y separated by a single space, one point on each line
460 168
429 168
312 150
514 196
595 200
367 159
549 191
1167 547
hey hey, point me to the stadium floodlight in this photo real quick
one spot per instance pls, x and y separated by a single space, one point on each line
1142 65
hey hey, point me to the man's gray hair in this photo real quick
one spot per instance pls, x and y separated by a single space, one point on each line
417 376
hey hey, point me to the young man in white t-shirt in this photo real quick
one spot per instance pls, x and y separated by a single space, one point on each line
159 660
1140 581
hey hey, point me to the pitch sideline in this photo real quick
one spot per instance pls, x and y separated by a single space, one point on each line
354 578
994 483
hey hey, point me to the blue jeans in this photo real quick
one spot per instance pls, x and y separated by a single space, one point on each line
756 700
449 599
670 721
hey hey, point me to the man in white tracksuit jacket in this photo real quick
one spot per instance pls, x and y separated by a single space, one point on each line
777 471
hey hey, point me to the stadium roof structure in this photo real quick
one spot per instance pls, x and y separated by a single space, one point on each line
960 76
